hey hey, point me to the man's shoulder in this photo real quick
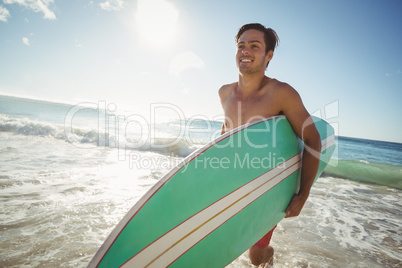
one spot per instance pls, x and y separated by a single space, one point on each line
225 90
282 88
279 85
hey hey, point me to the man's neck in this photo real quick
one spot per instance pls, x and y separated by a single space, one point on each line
251 83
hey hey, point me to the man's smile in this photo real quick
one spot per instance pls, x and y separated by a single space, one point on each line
246 60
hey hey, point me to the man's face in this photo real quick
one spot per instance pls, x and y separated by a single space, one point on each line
250 56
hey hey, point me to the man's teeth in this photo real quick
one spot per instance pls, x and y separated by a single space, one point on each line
246 60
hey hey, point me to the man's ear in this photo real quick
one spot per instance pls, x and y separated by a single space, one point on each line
269 55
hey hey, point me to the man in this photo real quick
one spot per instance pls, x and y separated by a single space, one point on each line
256 96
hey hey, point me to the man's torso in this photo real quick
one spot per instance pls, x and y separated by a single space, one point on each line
240 109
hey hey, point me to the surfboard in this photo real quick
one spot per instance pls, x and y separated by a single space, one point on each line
217 202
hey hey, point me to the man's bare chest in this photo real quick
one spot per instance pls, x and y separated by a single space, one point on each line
239 112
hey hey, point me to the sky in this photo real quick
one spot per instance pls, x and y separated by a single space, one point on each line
343 57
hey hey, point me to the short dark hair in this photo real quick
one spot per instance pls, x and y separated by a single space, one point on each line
270 37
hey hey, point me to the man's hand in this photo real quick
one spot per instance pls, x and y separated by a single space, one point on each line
296 205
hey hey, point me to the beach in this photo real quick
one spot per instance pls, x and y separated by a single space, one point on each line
69 174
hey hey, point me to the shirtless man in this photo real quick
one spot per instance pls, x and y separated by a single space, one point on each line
256 96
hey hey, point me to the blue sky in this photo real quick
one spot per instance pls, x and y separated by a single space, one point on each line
343 57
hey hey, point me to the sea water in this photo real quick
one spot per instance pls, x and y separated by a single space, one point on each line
69 173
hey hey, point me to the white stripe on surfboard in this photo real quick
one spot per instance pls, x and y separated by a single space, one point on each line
327 142
176 242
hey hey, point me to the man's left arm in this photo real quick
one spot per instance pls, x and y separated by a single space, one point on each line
304 127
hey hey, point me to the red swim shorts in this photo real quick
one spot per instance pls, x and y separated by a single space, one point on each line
264 241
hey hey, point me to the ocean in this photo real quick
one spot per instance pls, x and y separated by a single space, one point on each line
69 173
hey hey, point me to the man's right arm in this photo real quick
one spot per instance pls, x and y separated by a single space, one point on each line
224 92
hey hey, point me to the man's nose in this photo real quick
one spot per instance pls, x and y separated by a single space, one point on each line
245 51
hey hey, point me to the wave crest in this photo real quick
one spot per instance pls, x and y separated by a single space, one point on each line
368 172
87 138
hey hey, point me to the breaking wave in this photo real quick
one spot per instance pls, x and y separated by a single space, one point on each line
365 171
86 137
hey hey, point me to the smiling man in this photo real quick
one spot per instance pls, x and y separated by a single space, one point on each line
255 96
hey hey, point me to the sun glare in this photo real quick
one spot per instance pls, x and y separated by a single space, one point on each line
156 21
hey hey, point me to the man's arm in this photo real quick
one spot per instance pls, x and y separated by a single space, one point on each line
224 92
223 128
304 127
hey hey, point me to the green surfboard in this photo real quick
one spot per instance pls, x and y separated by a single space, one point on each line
217 202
